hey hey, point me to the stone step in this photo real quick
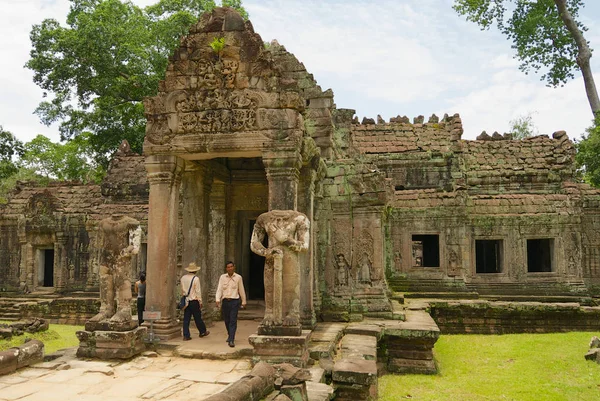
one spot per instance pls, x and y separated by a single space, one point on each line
398 311
409 344
442 295
359 346
398 296
324 340
583 300
365 328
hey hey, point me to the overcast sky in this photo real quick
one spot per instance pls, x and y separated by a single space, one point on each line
389 57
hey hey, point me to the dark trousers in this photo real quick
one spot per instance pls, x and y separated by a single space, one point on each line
141 306
229 312
193 309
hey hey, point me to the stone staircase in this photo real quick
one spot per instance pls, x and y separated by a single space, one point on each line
255 310
9 311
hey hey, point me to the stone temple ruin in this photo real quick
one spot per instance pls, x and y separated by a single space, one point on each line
242 129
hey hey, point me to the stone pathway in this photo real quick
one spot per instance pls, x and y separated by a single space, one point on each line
163 378
214 346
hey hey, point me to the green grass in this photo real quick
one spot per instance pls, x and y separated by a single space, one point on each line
518 367
58 336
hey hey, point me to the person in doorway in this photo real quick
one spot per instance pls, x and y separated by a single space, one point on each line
140 290
231 295
190 283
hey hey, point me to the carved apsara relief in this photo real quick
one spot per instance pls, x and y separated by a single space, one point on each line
342 276
364 259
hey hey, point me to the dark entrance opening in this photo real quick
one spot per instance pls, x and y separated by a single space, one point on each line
488 256
426 250
48 267
539 255
256 279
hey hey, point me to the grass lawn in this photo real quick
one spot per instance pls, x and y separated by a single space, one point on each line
57 337
518 367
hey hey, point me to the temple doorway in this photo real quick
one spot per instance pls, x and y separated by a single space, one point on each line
46 267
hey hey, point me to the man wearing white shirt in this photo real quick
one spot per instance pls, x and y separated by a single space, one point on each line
190 282
231 294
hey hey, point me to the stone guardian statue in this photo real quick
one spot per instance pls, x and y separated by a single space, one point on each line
288 233
120 238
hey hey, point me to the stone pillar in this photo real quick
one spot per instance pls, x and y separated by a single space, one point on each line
217 226
282 170
92 267
197 182
23 271
306 194
164 176
61 273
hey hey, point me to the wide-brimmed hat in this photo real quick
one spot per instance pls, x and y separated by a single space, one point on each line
192 268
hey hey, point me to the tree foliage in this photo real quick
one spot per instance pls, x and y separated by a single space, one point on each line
96 70
10 150
588 154
523 127
69 161
544 33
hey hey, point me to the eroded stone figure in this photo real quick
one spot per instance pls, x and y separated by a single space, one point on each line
120 238
364 269
288 233
343 271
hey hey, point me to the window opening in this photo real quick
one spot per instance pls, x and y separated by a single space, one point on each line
488 256
539 255
426 250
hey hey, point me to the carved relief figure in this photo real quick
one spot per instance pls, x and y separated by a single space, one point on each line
120 238
343 271
364 269
364 261
454 263
288 233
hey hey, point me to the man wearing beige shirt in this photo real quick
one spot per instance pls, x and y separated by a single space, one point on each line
190 282
230 293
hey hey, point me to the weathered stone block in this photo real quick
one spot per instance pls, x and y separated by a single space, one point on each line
9 360
412 366
295 392
30 353
355 371
281 349
111 344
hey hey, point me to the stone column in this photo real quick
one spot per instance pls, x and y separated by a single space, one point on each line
61 273
282 170
24 282
92 267
217 238
164 176
306 194
197 182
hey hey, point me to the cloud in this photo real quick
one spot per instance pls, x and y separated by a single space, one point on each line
387 57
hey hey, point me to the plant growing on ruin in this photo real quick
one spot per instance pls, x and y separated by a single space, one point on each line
523 127
217 45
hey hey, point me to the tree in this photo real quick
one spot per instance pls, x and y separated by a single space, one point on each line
545 34
111 55
69 161
588 154
523 127
10 150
